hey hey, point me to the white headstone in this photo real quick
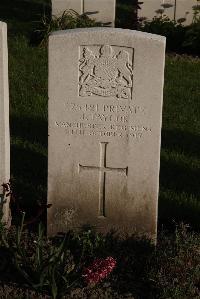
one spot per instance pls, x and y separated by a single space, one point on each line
100 10
4 124
105 111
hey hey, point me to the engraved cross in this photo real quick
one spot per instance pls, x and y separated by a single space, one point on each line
103 170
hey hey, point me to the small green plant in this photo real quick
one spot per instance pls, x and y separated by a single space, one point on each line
89 244
45 265
162 25
68 20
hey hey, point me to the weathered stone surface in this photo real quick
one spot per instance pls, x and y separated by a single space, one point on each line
184 10
179 9
105 110
4 124
100 10
152 8
59 6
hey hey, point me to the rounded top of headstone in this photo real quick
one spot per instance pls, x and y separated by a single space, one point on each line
3 24
104 30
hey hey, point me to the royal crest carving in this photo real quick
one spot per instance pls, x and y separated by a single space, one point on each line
106 71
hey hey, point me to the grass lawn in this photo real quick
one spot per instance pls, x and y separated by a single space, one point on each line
179 198
180 158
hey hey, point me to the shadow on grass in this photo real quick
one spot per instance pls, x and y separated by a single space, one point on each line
29 138
21 14
176 208
179 181
30 169
34 130
181 141
175 174
133 257
179 177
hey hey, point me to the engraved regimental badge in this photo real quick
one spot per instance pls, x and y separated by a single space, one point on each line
106 71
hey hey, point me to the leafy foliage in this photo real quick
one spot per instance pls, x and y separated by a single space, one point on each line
59 266
191 44
45 265
180 39
174 32
48 265
68 20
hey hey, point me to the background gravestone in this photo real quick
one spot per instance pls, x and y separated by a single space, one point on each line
150 8
105 110
184 10
100 10
59 6
179 9
4 123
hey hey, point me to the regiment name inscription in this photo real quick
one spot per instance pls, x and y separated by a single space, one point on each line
105 120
